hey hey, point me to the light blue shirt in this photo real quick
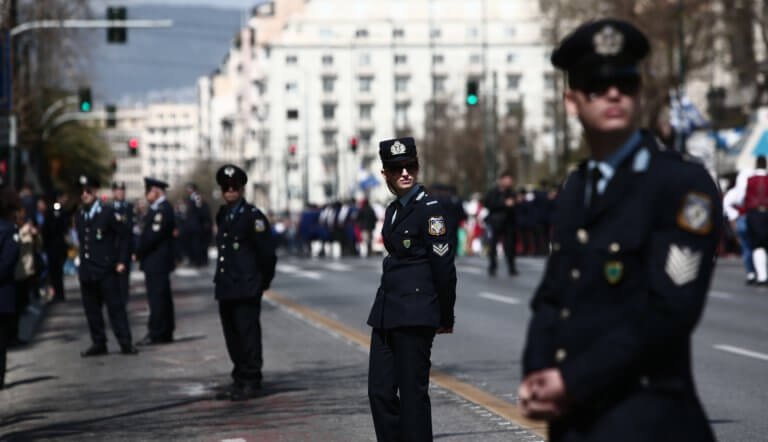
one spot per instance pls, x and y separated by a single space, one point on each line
156 204
95 208
609 165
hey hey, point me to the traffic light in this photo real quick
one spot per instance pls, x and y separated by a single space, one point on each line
353 144
85 99
116 34
292 150
111 116
133 146
472 88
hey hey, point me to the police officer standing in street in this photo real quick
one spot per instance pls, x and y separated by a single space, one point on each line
124 210
103 239
155 253
197 227
9 256
501 223
413 303
608 352
244 270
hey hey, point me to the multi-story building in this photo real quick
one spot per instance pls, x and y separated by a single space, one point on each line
169 142
306 77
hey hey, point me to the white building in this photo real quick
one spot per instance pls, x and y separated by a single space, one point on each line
305 77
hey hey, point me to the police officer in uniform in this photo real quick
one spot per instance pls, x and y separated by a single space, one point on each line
244 270
502 223
155 253
9 256
608 352
103 239
197 227
124 211
413 303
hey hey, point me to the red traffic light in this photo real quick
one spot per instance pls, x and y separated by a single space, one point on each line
353 144
292 149
133 143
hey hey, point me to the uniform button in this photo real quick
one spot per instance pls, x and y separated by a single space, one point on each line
560 355
225 234
555 246
221 259
644 381
582 236
575 274
223 246
87 256
615 247
565 313
221 270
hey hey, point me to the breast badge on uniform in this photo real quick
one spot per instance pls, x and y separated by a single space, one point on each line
407 243
236 246
440 249
682 264
98 234
436 226
259 225
614 271
694 215
155 227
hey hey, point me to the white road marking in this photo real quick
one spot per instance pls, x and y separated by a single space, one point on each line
472 270
720 295
742 352
187 273
499 298
239 439
295 271
338 267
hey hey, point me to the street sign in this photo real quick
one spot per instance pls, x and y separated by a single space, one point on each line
6 72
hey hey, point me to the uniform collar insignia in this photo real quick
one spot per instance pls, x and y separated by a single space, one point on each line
397 148
608 41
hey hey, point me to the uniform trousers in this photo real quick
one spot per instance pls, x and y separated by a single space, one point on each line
124 284
96 294
6 335
240 320
508 237
161 313
399 362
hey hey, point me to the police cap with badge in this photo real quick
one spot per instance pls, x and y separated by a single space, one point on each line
602 53
398 152
149 183
230 175
87 182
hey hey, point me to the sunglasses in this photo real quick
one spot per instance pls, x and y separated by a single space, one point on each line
396 169
625 85
228 187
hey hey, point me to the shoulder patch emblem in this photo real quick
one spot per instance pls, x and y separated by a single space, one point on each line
158 217
259 225
695 214
436 226
440 249
682 264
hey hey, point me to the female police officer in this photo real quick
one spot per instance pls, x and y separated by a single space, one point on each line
414 302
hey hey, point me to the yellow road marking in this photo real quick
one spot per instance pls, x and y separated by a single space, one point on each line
507 410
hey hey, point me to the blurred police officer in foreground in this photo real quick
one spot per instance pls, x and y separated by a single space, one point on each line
414 301
502 223
104 255
608 353
244 270
124 210
9 255
155 253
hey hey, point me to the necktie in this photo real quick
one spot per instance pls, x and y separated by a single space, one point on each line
595 178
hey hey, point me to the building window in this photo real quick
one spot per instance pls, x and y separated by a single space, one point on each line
365 137
513 81
328 83
365 83
365 111
473 32
401 114
398 33
292 114
435 33
327 60
364 59
401 83
475 58
361 33
401 59
329 138
514 108
329 111
291 86
549 80
438 83
511 57
510 31
550 109
291 59
438 59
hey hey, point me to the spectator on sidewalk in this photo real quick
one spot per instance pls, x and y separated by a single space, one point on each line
366 221
9 255
752 190
27 267
736 214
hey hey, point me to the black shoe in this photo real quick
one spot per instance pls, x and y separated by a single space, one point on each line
491 271
513 272
245 392
94 350
129 349
146 340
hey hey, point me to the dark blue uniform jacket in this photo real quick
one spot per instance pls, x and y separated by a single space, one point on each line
418 286
9 255
124 210
246 263
104 242
624 288
155 249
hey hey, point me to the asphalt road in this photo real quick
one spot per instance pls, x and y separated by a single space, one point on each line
730 346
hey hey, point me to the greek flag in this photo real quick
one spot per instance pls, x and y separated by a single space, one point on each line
683 115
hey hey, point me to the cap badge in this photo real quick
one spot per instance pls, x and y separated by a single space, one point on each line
608 41
229 171
83 180
397 148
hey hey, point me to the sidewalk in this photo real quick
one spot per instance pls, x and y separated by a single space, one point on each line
314 385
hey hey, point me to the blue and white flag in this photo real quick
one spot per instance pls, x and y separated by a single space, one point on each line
683 115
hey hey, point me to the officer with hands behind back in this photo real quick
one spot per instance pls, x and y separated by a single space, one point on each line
155 253
414 301
608 353
244 270
104 255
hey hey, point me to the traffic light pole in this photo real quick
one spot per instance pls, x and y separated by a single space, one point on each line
89 24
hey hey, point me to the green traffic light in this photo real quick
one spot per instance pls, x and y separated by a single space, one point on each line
471 100
85 106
